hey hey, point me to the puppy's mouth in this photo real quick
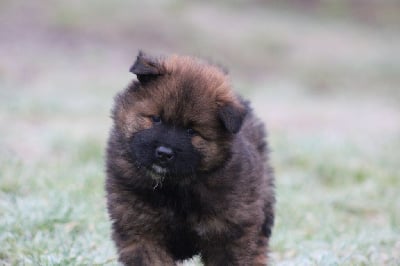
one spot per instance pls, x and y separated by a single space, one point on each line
157 172
159 169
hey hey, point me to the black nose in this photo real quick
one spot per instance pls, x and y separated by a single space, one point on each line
164 154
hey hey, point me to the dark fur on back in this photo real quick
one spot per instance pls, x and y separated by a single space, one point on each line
187 168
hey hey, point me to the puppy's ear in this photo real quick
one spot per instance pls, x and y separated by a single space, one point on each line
146 67
232 116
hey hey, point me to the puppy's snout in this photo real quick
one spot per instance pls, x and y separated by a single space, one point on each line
164 154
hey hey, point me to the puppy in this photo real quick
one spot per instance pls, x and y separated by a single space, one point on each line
187 168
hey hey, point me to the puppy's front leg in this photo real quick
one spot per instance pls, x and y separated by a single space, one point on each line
248 250
144 253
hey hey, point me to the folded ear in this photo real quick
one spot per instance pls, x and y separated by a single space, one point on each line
232 116
146 67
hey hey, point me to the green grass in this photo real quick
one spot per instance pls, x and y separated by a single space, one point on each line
53 208
337 204
338 200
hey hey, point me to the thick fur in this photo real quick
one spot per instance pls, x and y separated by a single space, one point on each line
187 168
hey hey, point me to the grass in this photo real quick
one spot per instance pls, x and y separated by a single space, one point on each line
53 209
338 201
337 204
332 115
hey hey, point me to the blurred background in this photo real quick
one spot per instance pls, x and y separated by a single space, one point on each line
324 76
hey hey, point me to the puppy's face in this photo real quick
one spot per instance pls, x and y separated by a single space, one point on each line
179 118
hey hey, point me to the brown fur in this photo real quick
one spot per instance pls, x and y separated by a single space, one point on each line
222 208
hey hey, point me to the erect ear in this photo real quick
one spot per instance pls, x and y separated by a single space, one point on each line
146 67
232 116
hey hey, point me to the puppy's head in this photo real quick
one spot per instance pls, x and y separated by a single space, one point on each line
179 118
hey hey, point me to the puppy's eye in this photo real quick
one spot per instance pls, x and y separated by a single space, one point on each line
190 131
156 119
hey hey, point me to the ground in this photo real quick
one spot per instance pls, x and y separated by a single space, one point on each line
326 83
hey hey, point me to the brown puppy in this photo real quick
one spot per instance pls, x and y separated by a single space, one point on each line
187 168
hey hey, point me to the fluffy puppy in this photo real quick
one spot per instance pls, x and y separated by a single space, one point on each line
187 168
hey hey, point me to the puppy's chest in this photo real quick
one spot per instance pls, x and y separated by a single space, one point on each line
181 203
202 213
